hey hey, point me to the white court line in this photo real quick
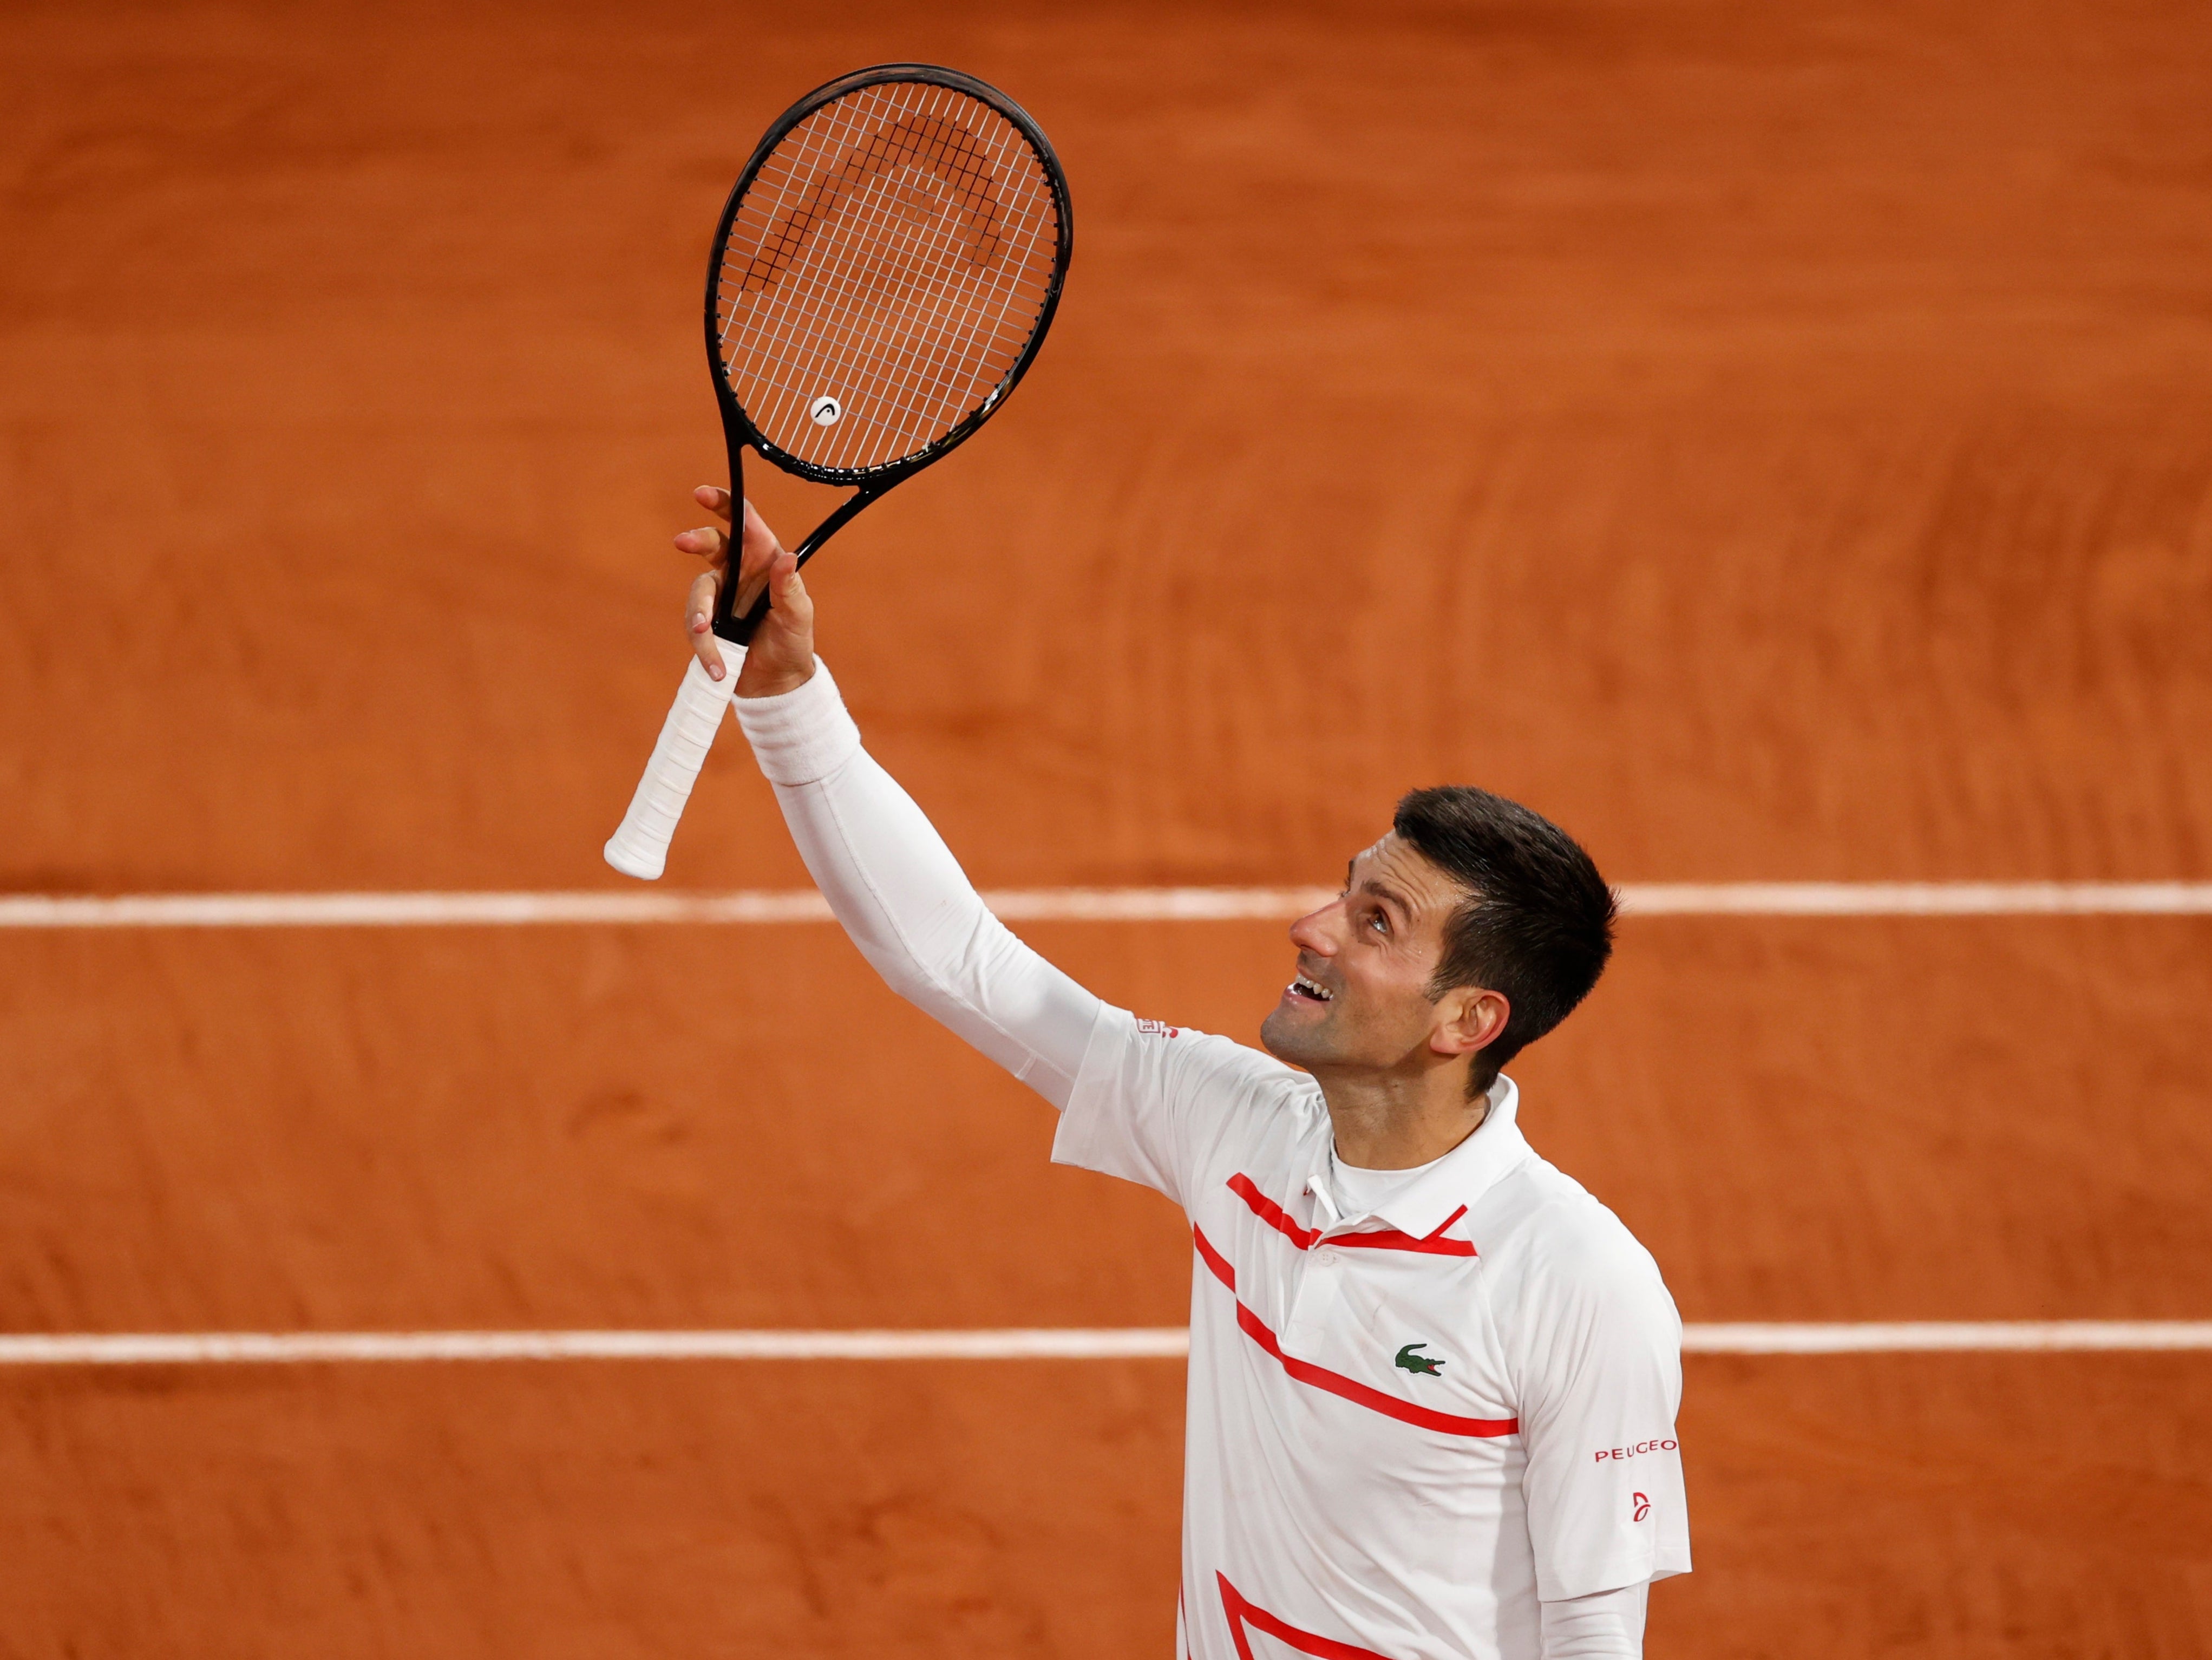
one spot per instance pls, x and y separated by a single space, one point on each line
199 1348
1946 1336
1917 898
294 911
1048 1343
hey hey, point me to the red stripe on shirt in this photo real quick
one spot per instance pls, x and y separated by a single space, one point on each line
1242 1613
1214 1259
1271 1213
1320 1377
1394 1240
1274 1216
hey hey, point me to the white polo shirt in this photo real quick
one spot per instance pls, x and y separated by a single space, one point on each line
1406 1427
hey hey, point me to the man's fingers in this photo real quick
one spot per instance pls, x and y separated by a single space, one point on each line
791 608
782 658
756 532
757 544
699 609
757 551
707 543
756 560
791 596
698 623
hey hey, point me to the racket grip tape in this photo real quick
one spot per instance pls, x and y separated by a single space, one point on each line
640 848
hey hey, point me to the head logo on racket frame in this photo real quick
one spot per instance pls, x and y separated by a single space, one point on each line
881 276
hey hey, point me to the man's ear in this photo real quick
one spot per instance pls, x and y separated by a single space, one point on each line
1467 1018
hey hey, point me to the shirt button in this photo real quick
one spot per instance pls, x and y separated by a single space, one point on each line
1324 1253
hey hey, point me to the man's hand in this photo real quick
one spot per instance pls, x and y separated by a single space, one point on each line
781 656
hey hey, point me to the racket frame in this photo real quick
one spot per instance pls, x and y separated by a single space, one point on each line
868 482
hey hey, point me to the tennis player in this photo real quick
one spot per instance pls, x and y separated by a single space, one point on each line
1432 1381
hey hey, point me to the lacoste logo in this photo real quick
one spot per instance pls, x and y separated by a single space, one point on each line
1420 1363
1643 1507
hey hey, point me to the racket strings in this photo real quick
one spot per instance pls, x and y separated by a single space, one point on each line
894 254
872 295
929 140
948 364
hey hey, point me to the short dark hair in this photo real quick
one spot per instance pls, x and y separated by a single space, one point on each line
1537 922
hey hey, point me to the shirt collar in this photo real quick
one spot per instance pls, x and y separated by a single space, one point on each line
1454 1181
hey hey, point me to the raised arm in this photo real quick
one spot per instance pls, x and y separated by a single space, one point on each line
887 874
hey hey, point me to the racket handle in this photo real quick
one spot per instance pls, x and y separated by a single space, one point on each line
640 848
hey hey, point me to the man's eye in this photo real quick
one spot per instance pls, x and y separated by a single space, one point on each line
1379 922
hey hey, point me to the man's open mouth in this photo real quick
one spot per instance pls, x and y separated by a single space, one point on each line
1313 989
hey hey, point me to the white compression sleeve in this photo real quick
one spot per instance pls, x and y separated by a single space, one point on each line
1606 1625
903 899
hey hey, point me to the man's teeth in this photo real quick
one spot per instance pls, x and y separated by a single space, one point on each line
1311 988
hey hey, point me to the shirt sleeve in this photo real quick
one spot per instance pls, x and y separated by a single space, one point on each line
1597 1346
1154 1102
902 898
1606 1625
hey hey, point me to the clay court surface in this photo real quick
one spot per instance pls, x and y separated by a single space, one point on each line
1775 441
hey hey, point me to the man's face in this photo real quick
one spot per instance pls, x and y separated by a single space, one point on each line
1360 1001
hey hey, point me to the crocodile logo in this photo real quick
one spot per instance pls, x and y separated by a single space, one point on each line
1423 1364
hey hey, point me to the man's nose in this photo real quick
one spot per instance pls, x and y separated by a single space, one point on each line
1312 932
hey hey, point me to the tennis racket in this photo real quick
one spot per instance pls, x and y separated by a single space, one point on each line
883 274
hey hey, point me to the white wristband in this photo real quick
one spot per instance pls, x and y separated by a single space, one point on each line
800 736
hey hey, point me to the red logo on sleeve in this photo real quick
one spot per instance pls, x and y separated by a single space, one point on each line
1643 1507
1159 1029
1636 1450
